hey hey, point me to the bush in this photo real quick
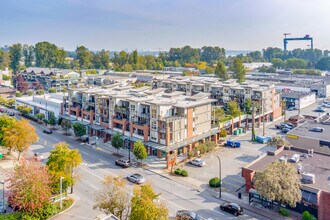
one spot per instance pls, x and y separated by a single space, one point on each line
178 171
191 154
223 133
184 173
214 182
307 216
284 212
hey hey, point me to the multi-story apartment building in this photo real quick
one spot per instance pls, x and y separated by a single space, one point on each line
48 78
167 123
224 92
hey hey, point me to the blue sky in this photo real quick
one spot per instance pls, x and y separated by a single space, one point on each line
154 24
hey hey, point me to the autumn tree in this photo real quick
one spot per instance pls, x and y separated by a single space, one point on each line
277 140
5 122
117 141
221 71
239 70
113 198
233 108
62 162
279 182
20 136
145 204
40 116
29 187
24 109
21 84
140 151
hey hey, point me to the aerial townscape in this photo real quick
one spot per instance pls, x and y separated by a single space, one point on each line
156 110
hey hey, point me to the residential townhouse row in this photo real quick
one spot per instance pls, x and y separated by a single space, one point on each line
168 123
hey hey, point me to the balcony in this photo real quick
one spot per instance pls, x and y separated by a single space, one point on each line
76 99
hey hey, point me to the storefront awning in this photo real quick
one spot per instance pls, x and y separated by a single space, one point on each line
97 127
155 145
109 131
66 117
82 122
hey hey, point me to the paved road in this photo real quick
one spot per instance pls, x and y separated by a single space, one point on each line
97 164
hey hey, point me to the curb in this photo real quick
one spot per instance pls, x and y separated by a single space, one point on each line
74 202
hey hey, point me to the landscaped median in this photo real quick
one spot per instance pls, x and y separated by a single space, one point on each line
47 212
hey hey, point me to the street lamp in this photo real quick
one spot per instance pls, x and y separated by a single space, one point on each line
61 178
3 195
219 175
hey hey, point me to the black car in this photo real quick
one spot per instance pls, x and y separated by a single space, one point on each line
47 131
187 215
232 208
11 113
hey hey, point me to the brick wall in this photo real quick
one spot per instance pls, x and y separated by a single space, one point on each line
324 206
248 175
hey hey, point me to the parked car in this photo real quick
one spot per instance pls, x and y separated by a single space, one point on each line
136 178
123 163
291 108
47 131
319 109
317 129
232 208
11 113
326 104
186 214
285 130
285 125
197 162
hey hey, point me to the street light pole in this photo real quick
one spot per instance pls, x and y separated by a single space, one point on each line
219 176
61 178
3 195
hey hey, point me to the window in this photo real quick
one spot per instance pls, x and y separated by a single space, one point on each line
153 113
132 108
153 125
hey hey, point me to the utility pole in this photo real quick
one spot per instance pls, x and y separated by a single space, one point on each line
3 197
219 176
253 115
263 117
61 178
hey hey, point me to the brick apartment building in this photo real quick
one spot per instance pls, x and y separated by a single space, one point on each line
167 123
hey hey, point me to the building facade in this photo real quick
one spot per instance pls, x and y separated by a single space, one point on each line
298 100
167 123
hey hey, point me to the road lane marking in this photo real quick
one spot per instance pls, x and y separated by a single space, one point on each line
94 186
84 152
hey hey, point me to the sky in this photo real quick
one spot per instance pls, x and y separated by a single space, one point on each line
162 24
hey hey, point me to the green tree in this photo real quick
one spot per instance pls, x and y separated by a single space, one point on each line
40 92
18 94
79 129
295 63
248 106
19 136
140 151
62 162
84 57
24 109
239 70
117 141
233 109
28 53
5 77
145 205
52 119
29 187
127 68
323 64
40 116
209 70
307 216
52 90
113 199
221 71
279 182
30 92
105 59
15 53
49 55
66 125
278 63
218 114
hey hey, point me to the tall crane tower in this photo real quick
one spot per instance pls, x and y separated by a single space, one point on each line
306 38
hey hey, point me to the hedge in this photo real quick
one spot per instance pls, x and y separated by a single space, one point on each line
214 182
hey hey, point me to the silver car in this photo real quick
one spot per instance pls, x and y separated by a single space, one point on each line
197 162
136 178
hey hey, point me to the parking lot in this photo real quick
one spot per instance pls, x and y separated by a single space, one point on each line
233 159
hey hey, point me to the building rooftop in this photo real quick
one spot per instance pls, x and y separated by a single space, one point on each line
295 94
318 164
304 129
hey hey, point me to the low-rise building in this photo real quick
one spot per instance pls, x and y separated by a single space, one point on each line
315 196
51 77
298 100
167 123
47 104
312 134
